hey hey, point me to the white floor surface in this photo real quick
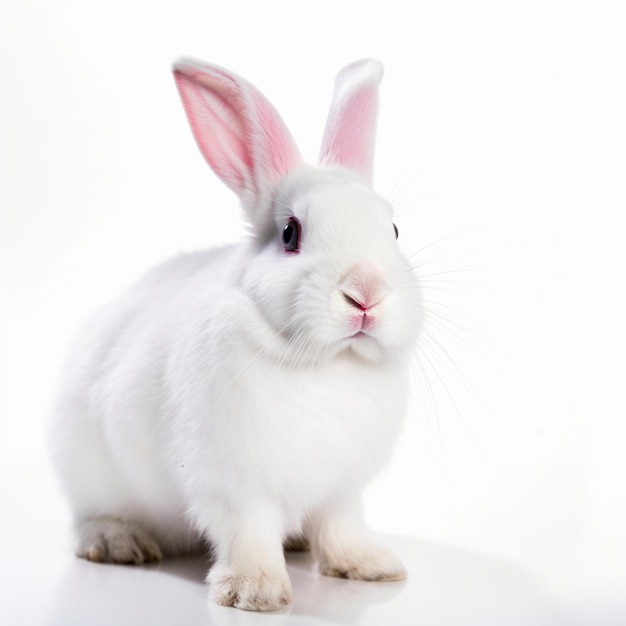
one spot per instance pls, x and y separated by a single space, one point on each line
446 586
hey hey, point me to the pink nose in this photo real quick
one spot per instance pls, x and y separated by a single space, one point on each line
365 286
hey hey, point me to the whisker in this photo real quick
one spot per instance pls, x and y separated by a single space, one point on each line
443 362
446 272
390 196
440 240
452 309
443 320
430 395
439 261
457 368
428 282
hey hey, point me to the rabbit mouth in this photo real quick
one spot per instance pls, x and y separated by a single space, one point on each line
362 325
361 334
361 337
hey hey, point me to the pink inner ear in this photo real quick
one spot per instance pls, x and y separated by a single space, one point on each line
351 142
218 131
238 131
280 150
349 136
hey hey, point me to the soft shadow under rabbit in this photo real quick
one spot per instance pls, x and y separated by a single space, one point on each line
246 394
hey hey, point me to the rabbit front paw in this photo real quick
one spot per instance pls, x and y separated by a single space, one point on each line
256 590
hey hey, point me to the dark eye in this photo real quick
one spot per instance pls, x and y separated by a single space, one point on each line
395 230
291 235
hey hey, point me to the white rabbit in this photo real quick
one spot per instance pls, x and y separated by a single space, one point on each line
245 395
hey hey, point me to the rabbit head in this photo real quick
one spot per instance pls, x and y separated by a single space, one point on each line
324 269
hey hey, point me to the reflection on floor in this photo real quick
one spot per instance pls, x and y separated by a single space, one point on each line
446 586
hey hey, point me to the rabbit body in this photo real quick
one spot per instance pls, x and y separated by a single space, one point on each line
246 394
212 418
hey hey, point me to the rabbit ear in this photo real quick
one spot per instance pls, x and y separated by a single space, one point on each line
349 136
239 132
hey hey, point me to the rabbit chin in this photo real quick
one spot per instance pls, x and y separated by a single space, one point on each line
366 348
361 347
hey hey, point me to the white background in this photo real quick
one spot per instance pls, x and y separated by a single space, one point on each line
502 143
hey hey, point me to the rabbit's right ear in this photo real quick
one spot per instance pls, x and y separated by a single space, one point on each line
350 132
238 131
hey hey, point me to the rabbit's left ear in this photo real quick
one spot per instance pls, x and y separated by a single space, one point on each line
239 132
350 133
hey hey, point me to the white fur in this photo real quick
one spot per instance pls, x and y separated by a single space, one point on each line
222 399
